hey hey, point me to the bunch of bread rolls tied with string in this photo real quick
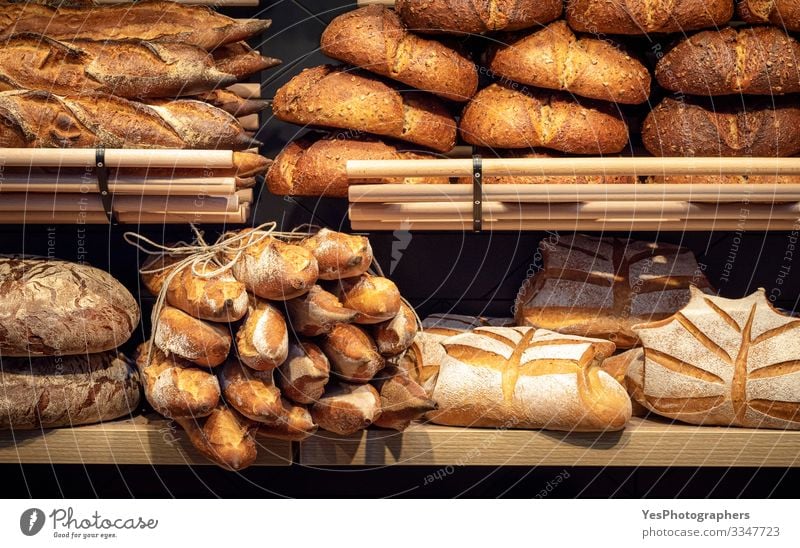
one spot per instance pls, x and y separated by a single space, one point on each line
275 334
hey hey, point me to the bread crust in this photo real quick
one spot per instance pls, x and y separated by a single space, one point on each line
347 408
375 299
316 312
224 437
339 255
784 14
396 335
476 16
637 18
303 376
205 344
252 393
262 341
352 353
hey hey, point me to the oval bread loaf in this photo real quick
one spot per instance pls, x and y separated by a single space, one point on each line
304 374
316 312
223 437
252 393
394 336
262 341
476 16
641 17
295 425
402 399
347 408
339 255
375 299
187 337
781 13
352 353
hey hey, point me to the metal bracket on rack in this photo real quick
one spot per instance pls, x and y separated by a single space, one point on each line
477 193
101 171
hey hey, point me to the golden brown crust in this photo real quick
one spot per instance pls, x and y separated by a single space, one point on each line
251 393
316 312
395 336
240 60
374 298
295 425
233 103
635 17
185 336
262 342
347 408
476 16
223 437
304 374
339 255
781 13
402 399
352 353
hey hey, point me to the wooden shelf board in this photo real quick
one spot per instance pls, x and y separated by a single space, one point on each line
148 439
645 442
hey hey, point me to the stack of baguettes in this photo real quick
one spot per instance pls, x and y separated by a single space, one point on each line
297 335
145 75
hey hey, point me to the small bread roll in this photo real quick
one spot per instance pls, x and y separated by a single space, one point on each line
352 353
402 399
304 374
376 299
316 312
221 298
273 269
347 408
251 393
187 337
263 339
174 387
339 255
296 424
224 437
395 336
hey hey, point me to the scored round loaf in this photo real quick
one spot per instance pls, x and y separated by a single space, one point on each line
640 17
334 97
223 437
374 38
402 399
375 299
347 408
187 337
755 61
316 312
262 342
692 128
339 255
554 58
251 393
476 16
304 374
394 336
295 425
53 307
502 117
352 353
782 13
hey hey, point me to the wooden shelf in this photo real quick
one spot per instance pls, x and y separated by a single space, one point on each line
146 439
646 442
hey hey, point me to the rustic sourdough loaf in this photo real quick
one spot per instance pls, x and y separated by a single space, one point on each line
304 374
402 399
203 343
782 13
476 16
316 312
224 437
641 17
252 393
262 341
347 408
374 298
339 255
554 58
295 425
394 336
352 353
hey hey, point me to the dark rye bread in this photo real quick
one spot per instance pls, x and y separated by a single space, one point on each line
754 60
334 97
52 307
500 116
641 17
374 38
675 128
476 16
781 13
66 390
554 58
153 20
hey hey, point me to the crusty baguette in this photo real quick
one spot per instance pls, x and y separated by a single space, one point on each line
316 312
352 353
476 16
241 60
374 38
251 393
782 13
754 60
502 117
334 97
224 437
347 408
339 255
262 342
185 336
375 299
304 374
394 336
402 399
295 425
316 167
640 17
232 103
554 58
154 20
692 128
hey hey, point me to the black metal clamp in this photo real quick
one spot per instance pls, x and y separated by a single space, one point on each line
477 193
101 172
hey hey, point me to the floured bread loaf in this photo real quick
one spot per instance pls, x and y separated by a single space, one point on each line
520 377
601 287
729 362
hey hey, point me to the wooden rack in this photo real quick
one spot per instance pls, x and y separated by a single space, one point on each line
672 207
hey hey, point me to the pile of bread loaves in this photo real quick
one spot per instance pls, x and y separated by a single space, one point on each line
297 334
556 86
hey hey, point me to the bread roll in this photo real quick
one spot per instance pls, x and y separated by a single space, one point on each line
187 337
640 17
394 336
554 58
374 38
58 308
352 353
309 167
502 117
332 97
374 298
347 408
456 16
528 378
304 374
755 61
251 393
262 342
223 437
675 128
173 386
339 255
316 312
66 391
273 269
295 425
402 399
782 13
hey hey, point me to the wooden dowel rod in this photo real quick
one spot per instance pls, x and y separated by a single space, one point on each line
90 182
702 225
492 167
73 217
85 157
245 195
368 2
126 190
92 202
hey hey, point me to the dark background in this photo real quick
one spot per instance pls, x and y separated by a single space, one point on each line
437 272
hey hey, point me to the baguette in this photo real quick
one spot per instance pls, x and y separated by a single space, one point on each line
374 38
185 336
316 312
49 392
352 353
174 387
374 298
638 17
347 408
502 117
224 437
755 61
317 167
333 97
153 20
782 13
691 128
303 376
233 104
402 399
554 58
262 341
476 16
295 425
339 255
395 336
252 393
241 60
